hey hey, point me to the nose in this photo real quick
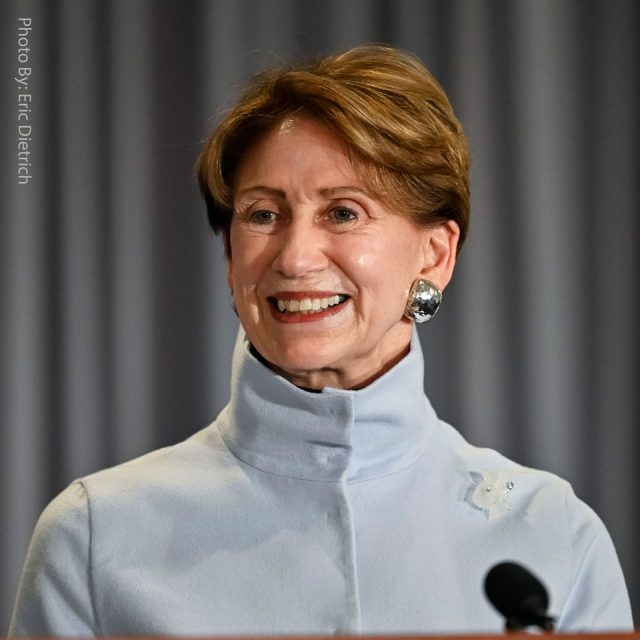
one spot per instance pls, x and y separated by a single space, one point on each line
301 249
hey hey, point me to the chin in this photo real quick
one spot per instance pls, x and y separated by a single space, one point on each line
298 357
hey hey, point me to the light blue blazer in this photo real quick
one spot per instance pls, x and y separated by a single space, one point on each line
339 512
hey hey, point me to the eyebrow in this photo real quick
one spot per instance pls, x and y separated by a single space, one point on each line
262 190
325 192
332 192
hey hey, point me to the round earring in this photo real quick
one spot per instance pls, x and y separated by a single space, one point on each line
423 302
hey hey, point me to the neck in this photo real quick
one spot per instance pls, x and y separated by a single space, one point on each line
355 378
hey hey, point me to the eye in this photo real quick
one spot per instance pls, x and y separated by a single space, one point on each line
262 217
343 214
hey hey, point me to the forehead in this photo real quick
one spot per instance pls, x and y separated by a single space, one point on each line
300 149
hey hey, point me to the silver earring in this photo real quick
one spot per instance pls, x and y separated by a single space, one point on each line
423 302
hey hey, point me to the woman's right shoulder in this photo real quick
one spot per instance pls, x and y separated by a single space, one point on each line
172 473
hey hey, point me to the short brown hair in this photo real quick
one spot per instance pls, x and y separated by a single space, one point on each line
397 124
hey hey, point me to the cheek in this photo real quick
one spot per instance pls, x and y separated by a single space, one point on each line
361 253
248 263
390 278
366 261
386 266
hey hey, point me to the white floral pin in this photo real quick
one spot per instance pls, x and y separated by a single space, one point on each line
489 492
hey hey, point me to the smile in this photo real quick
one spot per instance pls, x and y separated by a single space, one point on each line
309 305
304 308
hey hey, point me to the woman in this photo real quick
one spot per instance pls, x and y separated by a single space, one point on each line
327 497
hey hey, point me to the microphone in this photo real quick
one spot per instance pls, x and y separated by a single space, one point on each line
519 596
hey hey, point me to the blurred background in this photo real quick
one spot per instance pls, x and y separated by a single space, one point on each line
116 326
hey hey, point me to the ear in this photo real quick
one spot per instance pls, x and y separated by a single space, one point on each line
441 244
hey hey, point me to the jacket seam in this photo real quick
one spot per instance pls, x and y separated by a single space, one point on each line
92 589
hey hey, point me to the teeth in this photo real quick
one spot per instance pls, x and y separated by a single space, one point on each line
309 305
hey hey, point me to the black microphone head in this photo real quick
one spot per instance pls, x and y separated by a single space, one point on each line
518 595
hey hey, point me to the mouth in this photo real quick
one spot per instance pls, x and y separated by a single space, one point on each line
296 307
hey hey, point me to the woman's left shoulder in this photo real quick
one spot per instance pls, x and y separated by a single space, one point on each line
535 494
534 517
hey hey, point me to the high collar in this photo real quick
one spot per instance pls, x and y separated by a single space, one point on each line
336 434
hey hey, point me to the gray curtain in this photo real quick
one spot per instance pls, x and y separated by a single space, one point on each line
116 323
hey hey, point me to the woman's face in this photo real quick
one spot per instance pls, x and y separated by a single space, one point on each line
320 269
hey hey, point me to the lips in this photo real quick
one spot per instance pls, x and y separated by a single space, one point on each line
310 304
301 307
